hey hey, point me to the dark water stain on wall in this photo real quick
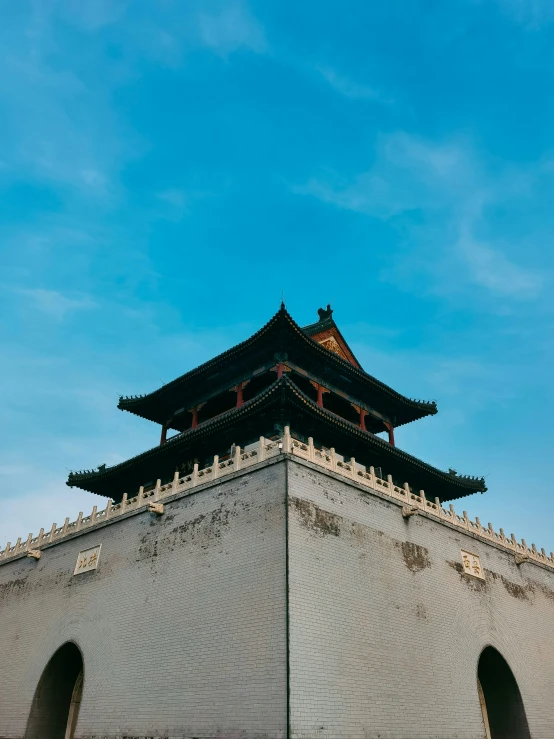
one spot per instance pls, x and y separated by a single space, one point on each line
516 590
12 587
204 531
473 583
315 519
522 592
546 591
416 558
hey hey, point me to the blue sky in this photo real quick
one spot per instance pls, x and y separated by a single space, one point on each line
168 169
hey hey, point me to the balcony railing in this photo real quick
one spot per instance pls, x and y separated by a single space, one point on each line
262 450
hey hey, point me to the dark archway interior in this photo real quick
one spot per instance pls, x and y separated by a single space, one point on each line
504 706
56 696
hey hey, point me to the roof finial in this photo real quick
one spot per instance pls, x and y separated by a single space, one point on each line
323 314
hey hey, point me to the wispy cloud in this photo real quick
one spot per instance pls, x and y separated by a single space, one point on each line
176 202
532 14
61 126
350 88
407 174
493 271
59 114
92 16
231 28
449 186
54 303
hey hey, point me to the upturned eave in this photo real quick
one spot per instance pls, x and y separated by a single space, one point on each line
305 417
282 336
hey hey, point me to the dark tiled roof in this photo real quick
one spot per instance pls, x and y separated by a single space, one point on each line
286 397
280 334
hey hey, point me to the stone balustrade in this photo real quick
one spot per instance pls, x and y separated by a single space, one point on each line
258 452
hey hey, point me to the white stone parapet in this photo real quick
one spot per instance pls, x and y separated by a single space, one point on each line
259 452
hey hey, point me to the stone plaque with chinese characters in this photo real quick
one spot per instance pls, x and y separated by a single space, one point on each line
87 560
472 565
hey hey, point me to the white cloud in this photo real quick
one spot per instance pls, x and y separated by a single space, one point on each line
230 29
174 197
493 271
91 16
59 128
407 174
350 88
55 303
59 123
532 14
449 186
176 203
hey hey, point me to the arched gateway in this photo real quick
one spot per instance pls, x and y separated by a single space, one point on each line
503 712
57 698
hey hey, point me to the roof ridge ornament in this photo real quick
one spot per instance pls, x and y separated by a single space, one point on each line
325 313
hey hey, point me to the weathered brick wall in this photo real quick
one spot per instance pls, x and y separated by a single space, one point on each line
182 627
385 631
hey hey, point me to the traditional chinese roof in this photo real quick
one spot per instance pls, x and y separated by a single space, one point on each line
326 332
282 403
281 339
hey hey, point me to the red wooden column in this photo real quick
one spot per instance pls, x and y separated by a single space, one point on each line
280 368
194 411
238 390
320 390
390 429
363 413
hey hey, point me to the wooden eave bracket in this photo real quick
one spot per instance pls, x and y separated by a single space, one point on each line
157 508
34 553
408 510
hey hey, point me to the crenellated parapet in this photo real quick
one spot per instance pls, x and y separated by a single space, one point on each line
411 502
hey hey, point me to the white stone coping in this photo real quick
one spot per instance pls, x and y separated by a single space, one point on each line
266 449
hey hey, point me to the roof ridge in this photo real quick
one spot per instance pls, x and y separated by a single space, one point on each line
228 352
359 370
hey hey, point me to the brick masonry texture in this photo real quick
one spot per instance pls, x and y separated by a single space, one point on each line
182 627
386 631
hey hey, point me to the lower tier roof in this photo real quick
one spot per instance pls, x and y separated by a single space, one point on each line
282 403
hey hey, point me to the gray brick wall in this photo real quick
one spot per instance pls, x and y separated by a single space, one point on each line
386 633
182 627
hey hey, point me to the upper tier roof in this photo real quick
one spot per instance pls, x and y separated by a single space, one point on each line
281 339
282 402
326 332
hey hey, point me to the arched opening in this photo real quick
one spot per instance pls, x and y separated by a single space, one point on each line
57 699
501 705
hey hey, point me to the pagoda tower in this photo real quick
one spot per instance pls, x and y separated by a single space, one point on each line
305 378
